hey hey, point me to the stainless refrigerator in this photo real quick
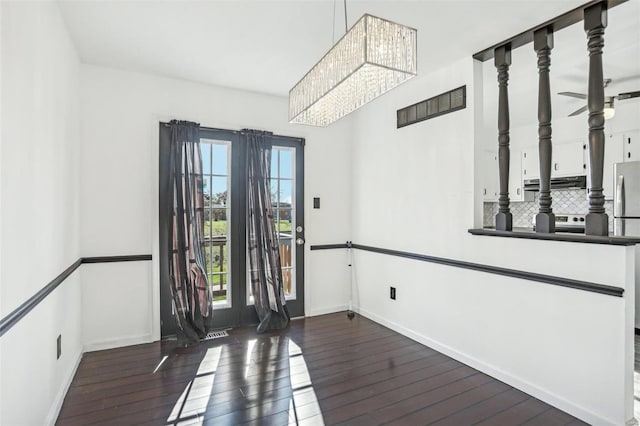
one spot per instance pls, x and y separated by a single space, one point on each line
626 199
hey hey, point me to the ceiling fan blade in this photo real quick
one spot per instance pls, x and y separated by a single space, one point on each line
628 95
580 111
574 95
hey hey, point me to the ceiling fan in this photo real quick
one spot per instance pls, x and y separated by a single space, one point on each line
609 110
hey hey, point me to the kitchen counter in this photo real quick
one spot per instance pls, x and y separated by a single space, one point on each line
528 233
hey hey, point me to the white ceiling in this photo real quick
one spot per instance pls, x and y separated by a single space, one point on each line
267 46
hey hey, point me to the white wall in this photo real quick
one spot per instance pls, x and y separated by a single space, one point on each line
413 190
39 198
119 169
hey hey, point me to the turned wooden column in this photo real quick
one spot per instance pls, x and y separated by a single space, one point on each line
542 44
595 21
504 218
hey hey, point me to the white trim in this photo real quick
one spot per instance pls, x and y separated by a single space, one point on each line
54 411
326 310
119 342
518 383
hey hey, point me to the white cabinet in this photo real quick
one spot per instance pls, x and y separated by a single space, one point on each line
516 170
567 159
490 184
631 146
530 163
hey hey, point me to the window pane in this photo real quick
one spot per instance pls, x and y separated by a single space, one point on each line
218 222
286 163
219 254
284 223
205 151
220 159
208 222
285 193
208 258
274 192
274 162
219 191
287 281
285 252
219 287
218 268
206 188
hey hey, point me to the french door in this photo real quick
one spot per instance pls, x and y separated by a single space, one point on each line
224 158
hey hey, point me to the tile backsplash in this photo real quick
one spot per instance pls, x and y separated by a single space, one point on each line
565 201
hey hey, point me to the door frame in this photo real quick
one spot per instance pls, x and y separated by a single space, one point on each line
240 313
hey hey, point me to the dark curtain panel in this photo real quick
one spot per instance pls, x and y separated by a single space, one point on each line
264 250
192 298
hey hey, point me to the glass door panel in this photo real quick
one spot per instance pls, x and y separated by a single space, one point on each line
283 187
216 156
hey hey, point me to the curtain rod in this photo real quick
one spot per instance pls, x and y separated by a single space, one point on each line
240 132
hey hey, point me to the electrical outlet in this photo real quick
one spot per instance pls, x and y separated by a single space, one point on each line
59 346
392 293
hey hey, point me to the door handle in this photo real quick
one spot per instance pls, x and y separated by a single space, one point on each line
300 241
555 166
618 208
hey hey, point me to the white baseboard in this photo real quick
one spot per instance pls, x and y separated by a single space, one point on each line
493 371
118 343
326 310
54 411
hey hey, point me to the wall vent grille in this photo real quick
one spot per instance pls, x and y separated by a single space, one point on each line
436 106
216 334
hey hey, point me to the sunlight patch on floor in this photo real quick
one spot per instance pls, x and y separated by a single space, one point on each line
304 402
250 346
192 404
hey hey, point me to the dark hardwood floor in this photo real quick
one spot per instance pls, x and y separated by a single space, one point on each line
322 370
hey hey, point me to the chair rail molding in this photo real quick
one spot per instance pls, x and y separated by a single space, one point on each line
21 311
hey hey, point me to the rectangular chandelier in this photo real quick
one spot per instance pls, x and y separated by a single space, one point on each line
373 57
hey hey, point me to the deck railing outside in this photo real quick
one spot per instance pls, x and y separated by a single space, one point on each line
218 280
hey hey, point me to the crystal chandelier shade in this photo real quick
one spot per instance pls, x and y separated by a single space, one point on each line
374 56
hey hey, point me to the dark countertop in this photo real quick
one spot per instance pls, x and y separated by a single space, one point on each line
528 233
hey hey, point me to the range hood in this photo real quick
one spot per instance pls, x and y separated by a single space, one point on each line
570 182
